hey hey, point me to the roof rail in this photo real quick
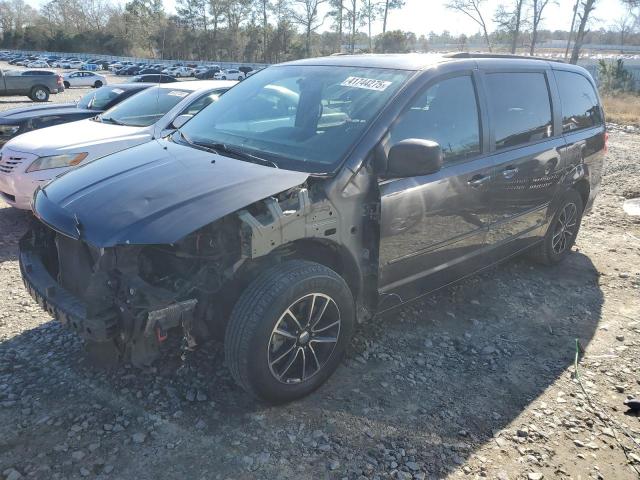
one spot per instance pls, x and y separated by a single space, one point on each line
497 55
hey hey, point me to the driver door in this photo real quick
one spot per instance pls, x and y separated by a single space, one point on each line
433 227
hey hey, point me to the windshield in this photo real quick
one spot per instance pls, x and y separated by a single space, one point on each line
300 117
100 98
144 108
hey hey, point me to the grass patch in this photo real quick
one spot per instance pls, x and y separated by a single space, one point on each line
622 108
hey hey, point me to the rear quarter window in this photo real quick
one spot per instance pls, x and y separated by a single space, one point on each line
520 108
580 107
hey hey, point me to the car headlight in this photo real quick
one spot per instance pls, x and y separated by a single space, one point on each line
6 130
57 161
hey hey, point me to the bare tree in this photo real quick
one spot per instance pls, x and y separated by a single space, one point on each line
388 6
471 8
370 11
337 12
354 17
511 21
623 27
305 13
264 7
217 10
536 13
587 7
571 30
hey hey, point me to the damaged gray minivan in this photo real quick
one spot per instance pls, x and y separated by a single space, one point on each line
312 196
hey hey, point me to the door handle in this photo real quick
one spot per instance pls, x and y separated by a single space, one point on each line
478 180
509 172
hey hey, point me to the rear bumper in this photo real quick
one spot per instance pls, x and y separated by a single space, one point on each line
58 302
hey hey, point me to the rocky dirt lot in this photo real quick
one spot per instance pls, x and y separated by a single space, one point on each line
475 381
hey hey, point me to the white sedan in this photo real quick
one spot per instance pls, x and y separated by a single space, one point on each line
230 74
83 79
38 64
35 158
183 72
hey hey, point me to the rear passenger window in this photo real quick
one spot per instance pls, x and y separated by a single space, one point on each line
447 113
579 102
520 108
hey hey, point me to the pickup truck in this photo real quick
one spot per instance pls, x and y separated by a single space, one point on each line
35 84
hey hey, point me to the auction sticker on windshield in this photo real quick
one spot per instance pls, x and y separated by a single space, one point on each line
366 83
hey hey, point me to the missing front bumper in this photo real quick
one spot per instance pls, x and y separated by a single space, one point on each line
137 337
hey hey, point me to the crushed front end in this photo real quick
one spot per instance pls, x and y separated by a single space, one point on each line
130 296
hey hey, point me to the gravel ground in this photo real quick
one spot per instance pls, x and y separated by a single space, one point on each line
475 381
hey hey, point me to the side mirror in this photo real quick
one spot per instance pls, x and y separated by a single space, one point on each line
180 120
414 157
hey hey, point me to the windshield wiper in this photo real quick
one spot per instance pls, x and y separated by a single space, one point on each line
110 120
229 151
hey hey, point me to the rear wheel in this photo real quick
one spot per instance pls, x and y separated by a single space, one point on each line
289 330
39 94
562 232
67 84
98 84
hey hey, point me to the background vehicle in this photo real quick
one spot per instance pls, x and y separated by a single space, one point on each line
83 79
17 121
205 74
74 64
452 164
38 64
148 71
230 74
179 72
37 157
154 78
36 87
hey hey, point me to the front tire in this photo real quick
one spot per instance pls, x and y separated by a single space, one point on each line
98 84
562 232
289 330
39 94
67 84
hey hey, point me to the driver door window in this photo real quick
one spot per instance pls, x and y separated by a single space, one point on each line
447 113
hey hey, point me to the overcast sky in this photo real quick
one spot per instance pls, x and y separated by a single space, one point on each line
424 16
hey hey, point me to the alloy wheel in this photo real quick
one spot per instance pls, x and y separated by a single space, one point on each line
304 338
40 94
565 228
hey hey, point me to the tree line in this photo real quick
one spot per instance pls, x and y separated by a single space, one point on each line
272 31
237 30
516 16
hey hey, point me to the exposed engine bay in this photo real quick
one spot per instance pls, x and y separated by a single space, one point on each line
135 296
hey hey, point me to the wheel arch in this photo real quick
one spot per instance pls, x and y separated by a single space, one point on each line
583 187
330 254
40 85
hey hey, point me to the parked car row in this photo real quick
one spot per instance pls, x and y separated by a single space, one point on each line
128 68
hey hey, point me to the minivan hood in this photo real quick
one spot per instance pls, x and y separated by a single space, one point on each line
73 137
155 193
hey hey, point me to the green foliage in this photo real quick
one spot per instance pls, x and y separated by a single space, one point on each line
395 41
614 77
